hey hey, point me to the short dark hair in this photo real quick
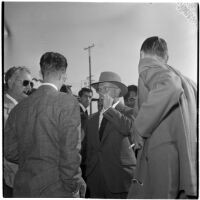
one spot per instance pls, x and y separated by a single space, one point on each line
83 90
130 88
155 46
52 62
65 88
10 72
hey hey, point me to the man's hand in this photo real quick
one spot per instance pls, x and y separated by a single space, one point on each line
137 141
80 190
107 101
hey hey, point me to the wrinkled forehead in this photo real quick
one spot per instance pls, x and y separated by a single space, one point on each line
87 94
107 84
23 75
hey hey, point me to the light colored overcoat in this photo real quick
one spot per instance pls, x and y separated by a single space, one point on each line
167 122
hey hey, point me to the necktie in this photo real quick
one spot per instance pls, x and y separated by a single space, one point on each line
86 113
102 127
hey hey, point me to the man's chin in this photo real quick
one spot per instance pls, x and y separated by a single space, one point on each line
25 94
22 96
28 93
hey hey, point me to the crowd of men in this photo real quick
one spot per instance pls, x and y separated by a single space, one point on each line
142 147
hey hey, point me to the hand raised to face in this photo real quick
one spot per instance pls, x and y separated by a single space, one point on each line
107 100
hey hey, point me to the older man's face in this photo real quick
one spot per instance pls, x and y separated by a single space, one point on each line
107 88
21 85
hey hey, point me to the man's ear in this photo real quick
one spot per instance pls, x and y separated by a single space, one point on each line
63 77
10 82
166 58
40 75
117 92
142 54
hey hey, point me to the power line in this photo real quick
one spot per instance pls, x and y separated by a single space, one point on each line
89 48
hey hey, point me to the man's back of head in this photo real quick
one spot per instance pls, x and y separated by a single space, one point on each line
155 47
53 68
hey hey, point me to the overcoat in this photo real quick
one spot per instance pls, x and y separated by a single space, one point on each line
166 120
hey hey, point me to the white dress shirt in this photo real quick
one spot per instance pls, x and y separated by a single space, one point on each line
103 110
83 107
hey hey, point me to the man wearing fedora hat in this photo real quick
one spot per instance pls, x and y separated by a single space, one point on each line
110 161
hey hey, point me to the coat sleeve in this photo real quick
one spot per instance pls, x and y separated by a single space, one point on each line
123 118
123 122
164 90
10 139
70 144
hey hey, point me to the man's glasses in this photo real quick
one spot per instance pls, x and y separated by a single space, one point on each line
27 82
131 99
104 88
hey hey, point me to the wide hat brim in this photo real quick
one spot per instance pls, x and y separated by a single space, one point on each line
112 78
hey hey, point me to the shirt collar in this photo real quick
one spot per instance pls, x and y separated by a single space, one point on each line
50 84
12 99
81 105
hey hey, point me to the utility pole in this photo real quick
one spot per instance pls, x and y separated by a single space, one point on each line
89 54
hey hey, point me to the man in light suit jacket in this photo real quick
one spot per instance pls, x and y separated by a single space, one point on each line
18 85
110 160
167 164
42 135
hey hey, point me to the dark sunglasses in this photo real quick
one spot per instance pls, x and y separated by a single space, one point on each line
26 82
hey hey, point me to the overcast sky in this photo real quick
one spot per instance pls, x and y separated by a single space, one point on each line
116 29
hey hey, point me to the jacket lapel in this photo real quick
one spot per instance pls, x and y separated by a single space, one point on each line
108 128
95 127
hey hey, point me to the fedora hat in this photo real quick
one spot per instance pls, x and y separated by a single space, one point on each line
112 78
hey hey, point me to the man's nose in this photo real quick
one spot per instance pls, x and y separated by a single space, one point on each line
89 98
101 96
28 87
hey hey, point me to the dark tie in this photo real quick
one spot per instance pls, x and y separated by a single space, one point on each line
86 113
102 127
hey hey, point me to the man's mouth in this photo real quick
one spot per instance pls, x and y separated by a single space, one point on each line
27 92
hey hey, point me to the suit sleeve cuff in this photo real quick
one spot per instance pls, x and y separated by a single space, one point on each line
115 104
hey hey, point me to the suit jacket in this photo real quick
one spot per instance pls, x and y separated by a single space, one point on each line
112 153
84 118
10 169
166 120
42 135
